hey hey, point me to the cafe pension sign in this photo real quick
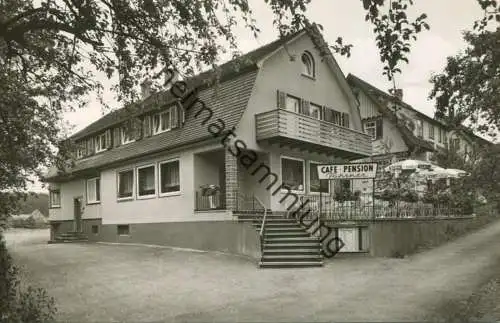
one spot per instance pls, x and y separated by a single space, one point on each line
347 171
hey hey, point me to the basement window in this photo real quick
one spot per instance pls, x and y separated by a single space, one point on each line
123 229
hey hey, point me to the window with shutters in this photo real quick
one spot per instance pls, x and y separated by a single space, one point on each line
374 128
292 104
146 181
345 120
93 190
315 111
333 116
100 143
371 128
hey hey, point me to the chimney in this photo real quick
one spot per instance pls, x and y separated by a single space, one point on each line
398 93
146 89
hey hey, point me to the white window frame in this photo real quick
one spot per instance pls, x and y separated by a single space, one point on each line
97 199
420 128
305 69
431 130
80 152
148 196
123 132
288 96
311 162
125 198
52 205
159 178
370 127
303 174
313 106
160 115
100 140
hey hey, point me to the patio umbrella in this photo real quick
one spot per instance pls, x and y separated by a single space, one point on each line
456 173
408 164
435 173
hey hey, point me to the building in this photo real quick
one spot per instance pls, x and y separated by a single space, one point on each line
179 169
400 131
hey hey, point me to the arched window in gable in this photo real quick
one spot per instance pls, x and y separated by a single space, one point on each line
308 67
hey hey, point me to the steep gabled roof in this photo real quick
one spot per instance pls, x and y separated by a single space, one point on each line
225 72
412 141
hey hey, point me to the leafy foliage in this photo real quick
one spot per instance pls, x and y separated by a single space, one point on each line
21 304
466 91
394 32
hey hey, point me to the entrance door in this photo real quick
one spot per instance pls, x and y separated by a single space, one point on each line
78 214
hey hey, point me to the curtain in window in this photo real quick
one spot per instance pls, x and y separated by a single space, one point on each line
91 191
146 180
293 174
170 177
165 120
126 182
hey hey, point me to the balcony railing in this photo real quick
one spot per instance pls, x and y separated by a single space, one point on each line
216 201
286 124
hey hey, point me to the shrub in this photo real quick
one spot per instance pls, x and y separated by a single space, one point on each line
19 304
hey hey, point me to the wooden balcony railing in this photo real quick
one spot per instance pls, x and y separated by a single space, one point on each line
286 124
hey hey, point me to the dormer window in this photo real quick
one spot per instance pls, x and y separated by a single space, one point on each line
165 121
126 134
100 143
308 64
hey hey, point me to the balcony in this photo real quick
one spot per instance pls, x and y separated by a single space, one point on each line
310 134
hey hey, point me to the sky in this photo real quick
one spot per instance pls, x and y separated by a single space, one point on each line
345 18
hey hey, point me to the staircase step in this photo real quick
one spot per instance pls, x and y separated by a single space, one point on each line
292 251
291 240
303 245
293 258
285 235
290 264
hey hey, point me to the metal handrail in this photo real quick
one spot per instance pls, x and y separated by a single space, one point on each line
261 231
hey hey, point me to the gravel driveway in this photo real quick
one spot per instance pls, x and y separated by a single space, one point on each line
99 282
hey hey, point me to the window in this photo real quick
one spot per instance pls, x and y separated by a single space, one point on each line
292 173
93 190
169 177
146 181
100 143
165 120
126 135
431 132
440 135
345 120
80 151
308 64
420 128
317 185
125 184
371 128
123 229
95 229
315 111
333 116
55 199
292 104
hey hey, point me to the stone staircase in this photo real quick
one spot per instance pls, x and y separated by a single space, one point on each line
286 243
68 237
